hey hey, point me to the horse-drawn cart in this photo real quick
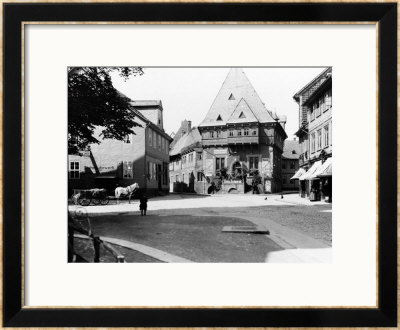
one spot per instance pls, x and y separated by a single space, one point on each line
86 196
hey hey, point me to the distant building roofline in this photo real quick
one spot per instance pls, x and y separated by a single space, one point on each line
310 84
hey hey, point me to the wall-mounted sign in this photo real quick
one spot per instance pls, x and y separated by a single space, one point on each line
220 152
209 167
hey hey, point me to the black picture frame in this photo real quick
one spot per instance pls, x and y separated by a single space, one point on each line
16 315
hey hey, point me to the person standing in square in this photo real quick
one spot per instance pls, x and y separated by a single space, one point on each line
143 204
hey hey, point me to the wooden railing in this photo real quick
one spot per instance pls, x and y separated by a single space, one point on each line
75 226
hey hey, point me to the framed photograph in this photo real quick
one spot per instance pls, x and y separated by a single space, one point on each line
200 164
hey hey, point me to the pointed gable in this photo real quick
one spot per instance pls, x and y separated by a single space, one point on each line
242 114
187 140
238 86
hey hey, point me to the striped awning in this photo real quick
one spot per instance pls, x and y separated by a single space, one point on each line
310 174
298 174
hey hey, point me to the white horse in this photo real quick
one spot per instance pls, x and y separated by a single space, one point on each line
127 191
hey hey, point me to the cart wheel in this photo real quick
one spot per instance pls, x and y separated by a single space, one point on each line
105 200
84 201
96 201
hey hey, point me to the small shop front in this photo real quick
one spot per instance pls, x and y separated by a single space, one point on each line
317 181
307 182
297 175
325 176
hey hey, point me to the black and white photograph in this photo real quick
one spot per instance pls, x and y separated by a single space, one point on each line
174 163
200 164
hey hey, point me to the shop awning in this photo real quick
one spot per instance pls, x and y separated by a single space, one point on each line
298 174
310 174
327 170
325 166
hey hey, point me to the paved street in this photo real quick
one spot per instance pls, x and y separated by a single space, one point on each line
188 228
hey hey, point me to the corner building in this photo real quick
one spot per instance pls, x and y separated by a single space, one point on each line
141 158
240 134
315 138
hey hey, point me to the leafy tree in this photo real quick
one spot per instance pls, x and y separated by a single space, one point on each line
94 102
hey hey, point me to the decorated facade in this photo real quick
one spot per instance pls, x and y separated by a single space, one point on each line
238 137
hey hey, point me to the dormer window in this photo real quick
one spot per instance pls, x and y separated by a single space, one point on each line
219 118
242 115
231 97
293 152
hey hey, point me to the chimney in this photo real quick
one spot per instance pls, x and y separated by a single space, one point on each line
186 126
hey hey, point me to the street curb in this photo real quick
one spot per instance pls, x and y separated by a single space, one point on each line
147 250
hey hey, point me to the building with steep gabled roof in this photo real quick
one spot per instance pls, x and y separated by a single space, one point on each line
234 89
240 135
186 164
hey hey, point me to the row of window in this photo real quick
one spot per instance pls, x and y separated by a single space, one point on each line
157 141
243 132
189 158
253 162
74 170
234 132
185 177
320 139
321 105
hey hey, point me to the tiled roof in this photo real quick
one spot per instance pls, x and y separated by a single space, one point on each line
313 85
235 88
191 138
242 114
288 148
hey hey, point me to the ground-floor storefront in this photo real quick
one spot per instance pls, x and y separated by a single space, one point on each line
315 183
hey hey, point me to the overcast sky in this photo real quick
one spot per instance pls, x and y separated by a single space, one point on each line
187 93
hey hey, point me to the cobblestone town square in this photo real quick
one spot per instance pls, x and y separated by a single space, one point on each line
189 228
197 164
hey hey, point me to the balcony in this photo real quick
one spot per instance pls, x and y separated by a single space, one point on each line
244 139
215 141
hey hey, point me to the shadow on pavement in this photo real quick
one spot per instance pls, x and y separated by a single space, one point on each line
193 237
